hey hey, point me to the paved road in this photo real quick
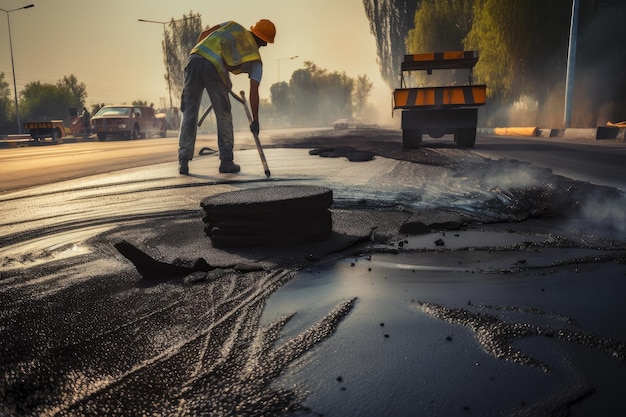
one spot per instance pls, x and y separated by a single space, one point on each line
46 164
600 162
597 162
523 317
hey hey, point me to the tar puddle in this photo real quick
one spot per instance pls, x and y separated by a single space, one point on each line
505 321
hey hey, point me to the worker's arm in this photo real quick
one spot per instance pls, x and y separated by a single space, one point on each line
254 98
254 105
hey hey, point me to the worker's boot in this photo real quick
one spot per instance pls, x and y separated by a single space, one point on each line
229 167
183 167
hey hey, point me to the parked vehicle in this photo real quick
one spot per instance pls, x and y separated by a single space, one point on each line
341 124
53 129
129 122
357 123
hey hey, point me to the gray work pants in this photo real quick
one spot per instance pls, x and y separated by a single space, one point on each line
200 74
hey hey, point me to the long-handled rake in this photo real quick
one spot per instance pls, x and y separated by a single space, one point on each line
242 100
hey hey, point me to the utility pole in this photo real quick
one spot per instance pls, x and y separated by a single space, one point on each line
571 64
17 108
167 67
282 59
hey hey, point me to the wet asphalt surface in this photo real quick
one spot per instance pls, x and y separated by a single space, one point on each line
451 284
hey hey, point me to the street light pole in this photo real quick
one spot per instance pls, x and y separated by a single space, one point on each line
17 109
282 59
167 67
571 65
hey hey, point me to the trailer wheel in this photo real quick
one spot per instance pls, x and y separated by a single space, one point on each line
411 138
102 137
465 137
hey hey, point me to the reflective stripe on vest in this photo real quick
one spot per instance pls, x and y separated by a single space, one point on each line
227 48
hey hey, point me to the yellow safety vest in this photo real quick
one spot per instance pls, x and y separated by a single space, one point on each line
228 48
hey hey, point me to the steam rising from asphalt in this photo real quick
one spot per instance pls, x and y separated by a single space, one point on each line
539 192
606 214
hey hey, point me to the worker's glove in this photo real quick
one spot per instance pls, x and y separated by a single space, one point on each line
254 127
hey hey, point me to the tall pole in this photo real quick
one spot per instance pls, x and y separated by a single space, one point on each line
282 59
167 67
571 64
17 108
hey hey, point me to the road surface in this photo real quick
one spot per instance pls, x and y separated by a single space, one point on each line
600 162
452 285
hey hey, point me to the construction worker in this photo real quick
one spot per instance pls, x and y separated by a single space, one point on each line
86 117
222 49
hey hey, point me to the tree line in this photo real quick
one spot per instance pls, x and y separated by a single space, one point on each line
40 101
313 95
45 101
523 46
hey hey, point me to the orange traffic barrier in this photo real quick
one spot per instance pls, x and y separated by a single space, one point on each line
618 124
516 131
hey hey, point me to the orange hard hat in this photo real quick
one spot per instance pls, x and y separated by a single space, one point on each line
265 30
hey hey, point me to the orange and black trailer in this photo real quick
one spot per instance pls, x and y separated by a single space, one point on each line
53 129
439 110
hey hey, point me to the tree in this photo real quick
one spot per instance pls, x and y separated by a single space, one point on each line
141 103
180 38
6 105
281 99
42 102
320 96
304 91
522 45
336 97
390 21
77 90
362 90
440 25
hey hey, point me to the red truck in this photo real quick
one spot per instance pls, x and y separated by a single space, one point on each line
129 122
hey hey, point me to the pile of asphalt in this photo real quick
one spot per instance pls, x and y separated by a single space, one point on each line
268 216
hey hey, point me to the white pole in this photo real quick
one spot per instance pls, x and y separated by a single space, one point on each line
17 108
167 67
571 64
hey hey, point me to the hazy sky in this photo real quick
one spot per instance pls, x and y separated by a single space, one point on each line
120 59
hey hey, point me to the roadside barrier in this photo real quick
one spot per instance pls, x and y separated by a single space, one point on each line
600 133
516 131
